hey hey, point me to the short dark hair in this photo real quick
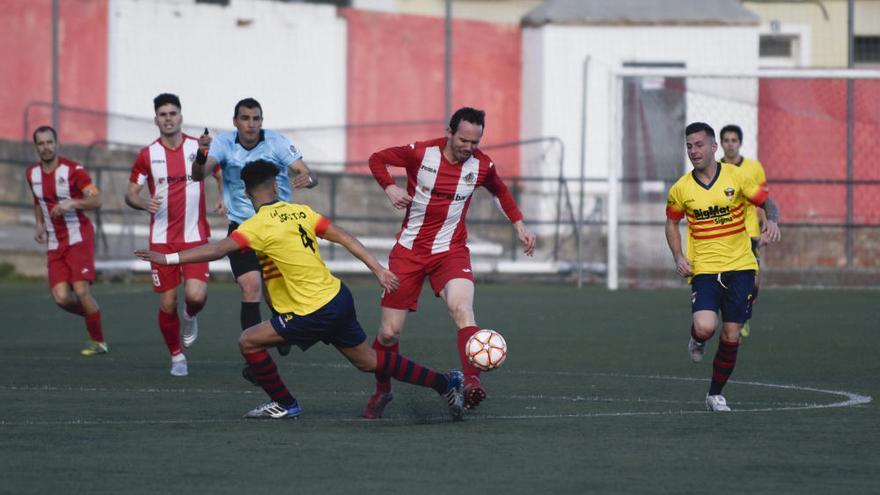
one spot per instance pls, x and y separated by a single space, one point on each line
45 128
247 103
257 173
732 128
164 99
468 114
695 127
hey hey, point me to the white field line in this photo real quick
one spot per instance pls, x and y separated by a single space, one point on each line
851 399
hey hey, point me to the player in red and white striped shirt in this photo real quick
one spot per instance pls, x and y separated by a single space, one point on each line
442 175
62 190
178 221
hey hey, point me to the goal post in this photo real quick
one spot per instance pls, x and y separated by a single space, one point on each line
813 131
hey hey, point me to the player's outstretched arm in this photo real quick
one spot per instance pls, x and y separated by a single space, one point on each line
206 252
387 279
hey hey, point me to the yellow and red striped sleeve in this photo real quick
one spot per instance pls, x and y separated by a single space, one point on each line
751 189
759 198
240 239
674 213
674 206
321 226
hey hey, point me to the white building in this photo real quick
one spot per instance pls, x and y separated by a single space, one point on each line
291 57
573 47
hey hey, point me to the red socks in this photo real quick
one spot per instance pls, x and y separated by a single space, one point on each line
93 325
169 325
463 335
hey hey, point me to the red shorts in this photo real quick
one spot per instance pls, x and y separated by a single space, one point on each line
167 277
412 269
71 264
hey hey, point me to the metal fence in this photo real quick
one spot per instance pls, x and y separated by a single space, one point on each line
814 131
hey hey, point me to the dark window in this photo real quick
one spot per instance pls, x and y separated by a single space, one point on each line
776 46
867 49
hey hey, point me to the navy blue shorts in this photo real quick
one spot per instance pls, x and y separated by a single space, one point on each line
334 323
729 291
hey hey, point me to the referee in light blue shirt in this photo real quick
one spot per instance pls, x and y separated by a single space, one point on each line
231 151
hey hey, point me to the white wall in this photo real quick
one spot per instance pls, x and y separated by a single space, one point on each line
291 57
552 97
552 105
552 102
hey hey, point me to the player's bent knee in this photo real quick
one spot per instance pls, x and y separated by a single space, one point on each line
388 336
704 332
196 302
365 366
249 294
246 344
249 342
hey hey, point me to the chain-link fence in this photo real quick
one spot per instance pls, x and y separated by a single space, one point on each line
347 194
814 132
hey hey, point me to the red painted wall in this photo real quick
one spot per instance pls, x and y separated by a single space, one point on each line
802 135
26 59
395 73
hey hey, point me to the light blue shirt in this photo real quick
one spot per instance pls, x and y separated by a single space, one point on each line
232 157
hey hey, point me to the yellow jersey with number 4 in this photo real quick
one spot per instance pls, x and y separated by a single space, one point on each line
285 237
717 235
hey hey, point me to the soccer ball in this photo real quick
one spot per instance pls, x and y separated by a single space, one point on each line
486 349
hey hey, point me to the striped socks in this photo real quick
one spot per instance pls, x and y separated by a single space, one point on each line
266 374
393 365
722 366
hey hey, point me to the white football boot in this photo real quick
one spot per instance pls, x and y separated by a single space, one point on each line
717 403
190 330
178 365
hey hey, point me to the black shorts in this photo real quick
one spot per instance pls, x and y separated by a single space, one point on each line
242 260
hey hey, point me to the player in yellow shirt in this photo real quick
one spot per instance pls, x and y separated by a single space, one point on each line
713 198
313 305
766 218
